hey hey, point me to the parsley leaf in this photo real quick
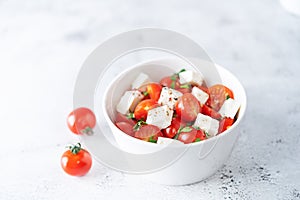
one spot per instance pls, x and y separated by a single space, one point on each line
145 93
206 134
197 140
182 70
227 97
152 140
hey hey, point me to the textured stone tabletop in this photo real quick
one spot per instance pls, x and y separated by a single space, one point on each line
44 43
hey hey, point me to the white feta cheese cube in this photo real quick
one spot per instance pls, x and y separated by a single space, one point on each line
200 95
169 97
129 101
142 79
191 77
229 108
160 116
168 141
207 124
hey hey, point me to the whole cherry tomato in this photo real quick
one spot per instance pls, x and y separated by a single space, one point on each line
169 132
76 161
81 120
141 110
187 107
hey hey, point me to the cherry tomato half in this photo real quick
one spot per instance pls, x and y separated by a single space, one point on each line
217 95
224 124
141 110
153 90
184 90
122 118
76 161
200 135
126 128
188 136
210 112
177 123
81 120
170 82
148 133
187 107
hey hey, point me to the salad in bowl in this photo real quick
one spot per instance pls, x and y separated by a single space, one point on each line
179 108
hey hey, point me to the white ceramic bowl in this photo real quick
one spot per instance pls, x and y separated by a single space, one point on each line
200 160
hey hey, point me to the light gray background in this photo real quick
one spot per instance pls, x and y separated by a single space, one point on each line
44 43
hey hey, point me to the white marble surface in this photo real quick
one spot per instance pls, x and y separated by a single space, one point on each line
43 44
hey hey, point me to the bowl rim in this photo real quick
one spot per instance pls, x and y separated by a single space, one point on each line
241 114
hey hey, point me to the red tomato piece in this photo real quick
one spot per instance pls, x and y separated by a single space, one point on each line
188 136
122 118
168 82
200 135
76 161
148 133
177 123
169 132
224 124
210 112
217 95
126 128
184 90
187 107
81 120
141 110
153 90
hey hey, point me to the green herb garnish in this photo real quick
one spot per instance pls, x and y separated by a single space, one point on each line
185 86
197 140
182 129
139 124
130 115
152 140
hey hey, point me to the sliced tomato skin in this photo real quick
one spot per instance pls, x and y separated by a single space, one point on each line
187 107
122 118
206 110
148 132
188 137
217 95
224 124
154 89
141 110
126 128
